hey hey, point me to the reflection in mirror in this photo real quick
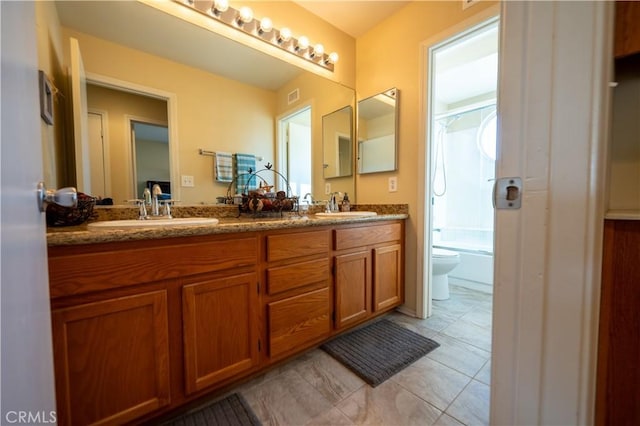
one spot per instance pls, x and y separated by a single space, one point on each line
377 132
150 147
115 162
224 105
337 129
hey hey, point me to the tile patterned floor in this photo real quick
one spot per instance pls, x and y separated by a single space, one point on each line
449 386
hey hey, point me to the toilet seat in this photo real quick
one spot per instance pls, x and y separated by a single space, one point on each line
442 253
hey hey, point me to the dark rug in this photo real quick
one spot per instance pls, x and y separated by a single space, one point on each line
230 411
379 350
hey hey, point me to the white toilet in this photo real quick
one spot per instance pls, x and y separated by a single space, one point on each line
442 262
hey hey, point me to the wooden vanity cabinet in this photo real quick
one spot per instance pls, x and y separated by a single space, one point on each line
118 312
368 271
297 296
627 29
141 328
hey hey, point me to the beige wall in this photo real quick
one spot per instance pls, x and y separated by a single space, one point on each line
50 60
324 96
118 105
389 55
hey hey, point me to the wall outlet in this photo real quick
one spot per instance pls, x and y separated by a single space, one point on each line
327 188
393 184
187 181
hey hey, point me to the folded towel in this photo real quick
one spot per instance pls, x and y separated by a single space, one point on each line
223 167
245 165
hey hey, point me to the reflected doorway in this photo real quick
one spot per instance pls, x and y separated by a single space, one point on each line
294 151
150 150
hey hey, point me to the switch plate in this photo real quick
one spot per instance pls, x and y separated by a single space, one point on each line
187 181
327 188
393 184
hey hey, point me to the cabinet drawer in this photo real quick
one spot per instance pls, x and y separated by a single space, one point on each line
298 320
83 273
287 246
298 275
366 236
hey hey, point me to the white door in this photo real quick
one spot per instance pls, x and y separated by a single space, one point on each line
27 361
300 158
555 64
80 120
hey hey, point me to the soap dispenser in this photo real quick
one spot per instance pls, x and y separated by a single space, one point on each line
345 206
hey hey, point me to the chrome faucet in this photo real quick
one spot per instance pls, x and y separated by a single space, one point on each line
310 197
333 202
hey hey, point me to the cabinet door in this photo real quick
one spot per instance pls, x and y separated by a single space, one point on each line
299 320
387 277
353 287
220 338
111 359
627 30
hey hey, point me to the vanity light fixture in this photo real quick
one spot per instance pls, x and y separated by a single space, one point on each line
284 36
318 51
243 20
219 7
265 26
245 16
303 43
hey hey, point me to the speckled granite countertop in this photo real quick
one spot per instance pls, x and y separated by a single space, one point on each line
76 235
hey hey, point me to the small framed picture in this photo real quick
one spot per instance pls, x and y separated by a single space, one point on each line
46 98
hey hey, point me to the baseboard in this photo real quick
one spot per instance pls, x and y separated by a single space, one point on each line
403 309
472 285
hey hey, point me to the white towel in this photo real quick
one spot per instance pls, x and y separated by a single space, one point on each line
223 167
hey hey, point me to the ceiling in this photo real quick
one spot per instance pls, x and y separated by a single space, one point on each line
352 17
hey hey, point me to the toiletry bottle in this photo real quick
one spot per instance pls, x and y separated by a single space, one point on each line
346 205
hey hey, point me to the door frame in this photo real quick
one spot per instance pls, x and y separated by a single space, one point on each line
282 151
130 140
424 216
554 102
106 150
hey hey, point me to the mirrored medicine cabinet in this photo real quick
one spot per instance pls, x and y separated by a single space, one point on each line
377 132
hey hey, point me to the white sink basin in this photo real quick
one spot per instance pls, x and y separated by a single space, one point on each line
151 223
338 215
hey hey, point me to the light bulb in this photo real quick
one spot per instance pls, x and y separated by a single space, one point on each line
333 58
245 15
220 6
285 35
303 43
318 50
265 25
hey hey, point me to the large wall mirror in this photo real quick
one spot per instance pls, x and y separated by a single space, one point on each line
377 132
218 95
337 143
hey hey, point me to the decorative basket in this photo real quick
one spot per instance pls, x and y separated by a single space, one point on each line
70 216
260 204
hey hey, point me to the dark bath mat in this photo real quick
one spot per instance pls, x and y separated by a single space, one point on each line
379 350
230 411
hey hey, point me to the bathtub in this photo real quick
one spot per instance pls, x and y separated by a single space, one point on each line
475 270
